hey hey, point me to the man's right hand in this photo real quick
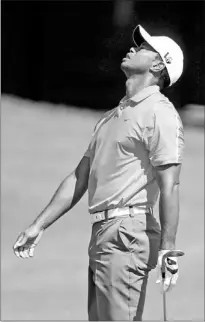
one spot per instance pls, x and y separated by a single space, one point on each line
26 242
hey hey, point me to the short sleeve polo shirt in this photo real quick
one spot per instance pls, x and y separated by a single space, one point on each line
143 132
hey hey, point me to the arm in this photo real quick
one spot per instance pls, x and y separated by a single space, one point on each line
167 177
66 196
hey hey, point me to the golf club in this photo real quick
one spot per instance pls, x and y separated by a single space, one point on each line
172 253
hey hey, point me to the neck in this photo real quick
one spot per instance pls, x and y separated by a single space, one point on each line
135 84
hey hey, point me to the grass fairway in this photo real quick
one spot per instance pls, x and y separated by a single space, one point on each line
41 144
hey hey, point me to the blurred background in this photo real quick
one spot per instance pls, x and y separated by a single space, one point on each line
54 50
60 72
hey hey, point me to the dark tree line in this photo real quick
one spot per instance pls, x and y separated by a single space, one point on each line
70 51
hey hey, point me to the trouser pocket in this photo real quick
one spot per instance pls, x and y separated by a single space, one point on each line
140 235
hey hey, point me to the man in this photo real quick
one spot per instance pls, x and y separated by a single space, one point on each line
134 155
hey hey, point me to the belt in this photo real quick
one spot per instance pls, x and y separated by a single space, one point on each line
117 212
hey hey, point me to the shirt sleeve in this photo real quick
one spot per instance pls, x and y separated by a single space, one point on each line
91 146
88 152
165 137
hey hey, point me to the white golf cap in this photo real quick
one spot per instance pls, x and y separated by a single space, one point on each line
167 48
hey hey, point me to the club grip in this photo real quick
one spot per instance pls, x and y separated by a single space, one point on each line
163 267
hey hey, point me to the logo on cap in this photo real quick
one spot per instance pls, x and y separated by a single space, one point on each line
168 58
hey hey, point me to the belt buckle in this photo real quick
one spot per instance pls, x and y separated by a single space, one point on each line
94 218
98 217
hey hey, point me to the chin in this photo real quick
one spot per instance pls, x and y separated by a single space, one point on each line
125 67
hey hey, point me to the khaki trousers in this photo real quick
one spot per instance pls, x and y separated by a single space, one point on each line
122 251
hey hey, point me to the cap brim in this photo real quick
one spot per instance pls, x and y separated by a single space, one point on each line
140 35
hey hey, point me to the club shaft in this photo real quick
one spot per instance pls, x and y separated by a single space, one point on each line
164 306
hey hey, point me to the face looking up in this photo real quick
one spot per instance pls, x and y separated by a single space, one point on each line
139 60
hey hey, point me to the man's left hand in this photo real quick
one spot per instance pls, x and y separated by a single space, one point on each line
171 271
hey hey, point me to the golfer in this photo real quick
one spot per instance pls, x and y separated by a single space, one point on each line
134 157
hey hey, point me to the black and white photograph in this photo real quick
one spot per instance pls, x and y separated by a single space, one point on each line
102 160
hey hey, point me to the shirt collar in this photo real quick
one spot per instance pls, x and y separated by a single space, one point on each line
144 93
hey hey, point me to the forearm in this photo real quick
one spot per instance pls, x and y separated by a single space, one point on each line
66 196
169 216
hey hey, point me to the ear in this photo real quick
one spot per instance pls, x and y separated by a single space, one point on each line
157 66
